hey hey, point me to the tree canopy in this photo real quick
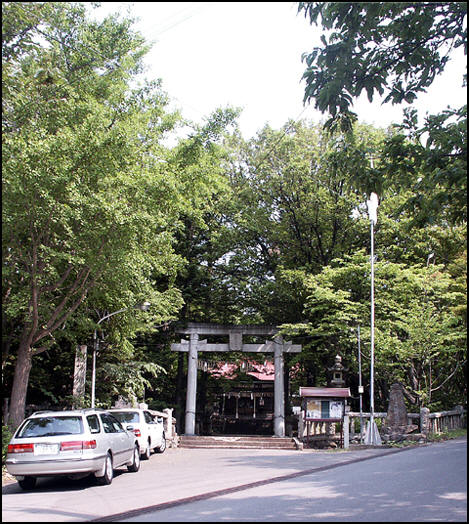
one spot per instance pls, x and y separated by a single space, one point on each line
387 48
395 50
100 213
82 155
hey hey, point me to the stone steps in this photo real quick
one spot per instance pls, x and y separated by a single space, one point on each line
236 442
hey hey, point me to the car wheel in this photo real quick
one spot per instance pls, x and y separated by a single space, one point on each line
146 454
135 466
106 479
163 445
27 483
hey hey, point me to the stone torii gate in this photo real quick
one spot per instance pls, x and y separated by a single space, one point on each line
277 346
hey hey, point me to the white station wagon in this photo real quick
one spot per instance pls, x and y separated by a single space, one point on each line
148 429
72 443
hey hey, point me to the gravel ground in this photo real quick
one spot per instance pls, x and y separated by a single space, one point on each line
6 477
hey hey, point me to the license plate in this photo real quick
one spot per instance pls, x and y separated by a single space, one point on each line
46 449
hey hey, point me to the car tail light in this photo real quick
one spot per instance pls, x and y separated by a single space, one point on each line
77 444
20 448
137 432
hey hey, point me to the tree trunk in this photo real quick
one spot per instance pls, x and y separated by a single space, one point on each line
20 386
180 393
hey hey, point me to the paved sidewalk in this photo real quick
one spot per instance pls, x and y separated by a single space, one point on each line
169 478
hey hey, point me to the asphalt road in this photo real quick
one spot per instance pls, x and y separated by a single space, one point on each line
422 484
376 485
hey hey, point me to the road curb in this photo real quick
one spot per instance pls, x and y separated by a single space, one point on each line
217 493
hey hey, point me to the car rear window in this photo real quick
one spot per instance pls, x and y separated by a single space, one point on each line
50 426
126 417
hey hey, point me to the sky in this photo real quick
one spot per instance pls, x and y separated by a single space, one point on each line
248 54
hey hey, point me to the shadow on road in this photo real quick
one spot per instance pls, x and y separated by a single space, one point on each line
55 484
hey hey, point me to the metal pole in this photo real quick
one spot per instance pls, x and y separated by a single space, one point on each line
360 387
143 307
93 372
372 402
372 436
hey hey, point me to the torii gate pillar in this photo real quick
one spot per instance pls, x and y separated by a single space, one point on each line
191 394
279 396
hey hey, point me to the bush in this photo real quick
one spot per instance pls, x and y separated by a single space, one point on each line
447 435
6 437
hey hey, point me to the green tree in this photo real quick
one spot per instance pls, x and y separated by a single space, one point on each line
431 161
202 156
88 207
419 335
396 49
293 198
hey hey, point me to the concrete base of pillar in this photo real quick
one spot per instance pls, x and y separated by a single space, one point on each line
372 436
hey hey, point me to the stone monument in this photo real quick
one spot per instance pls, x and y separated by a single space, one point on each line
396 427
397 412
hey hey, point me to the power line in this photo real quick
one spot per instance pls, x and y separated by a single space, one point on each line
285 131
171 25
163 30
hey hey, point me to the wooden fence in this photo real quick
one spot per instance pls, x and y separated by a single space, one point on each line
427 423
447 420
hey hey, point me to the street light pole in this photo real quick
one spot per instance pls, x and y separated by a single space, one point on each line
360 387
372 393
143 307
372 436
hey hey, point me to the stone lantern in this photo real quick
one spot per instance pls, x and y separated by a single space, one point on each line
337 371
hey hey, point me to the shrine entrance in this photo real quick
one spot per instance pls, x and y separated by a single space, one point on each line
277 346
247 408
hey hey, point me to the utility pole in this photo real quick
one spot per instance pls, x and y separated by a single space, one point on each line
360 386
372 436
